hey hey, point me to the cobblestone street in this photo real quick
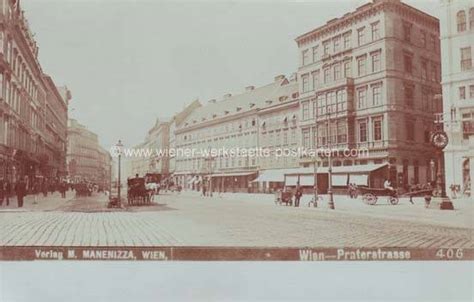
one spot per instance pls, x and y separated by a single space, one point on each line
233 220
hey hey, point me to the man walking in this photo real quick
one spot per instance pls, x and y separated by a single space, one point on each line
20 190
7 191
298 195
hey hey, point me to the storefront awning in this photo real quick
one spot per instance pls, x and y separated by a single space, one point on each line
338 170
273 175
359 179
233 174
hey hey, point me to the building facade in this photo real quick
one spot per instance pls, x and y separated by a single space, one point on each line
33 114
86 159
368 84
216 139
457 48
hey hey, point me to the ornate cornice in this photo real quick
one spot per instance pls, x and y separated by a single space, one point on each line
366 11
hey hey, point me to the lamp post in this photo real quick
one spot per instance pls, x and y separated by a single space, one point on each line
330 193
439 139
119 146
432 165
210 162
315 204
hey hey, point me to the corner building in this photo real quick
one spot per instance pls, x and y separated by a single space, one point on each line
457 48
370 81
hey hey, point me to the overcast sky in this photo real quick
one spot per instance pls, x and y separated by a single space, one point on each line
129 62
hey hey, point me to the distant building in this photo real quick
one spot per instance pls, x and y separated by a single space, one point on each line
86 159
457 47
178 119
368 81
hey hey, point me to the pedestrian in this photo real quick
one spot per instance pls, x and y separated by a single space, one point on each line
63 188
2 191
36 189
8 191
44 188
20 190
298 195
204 189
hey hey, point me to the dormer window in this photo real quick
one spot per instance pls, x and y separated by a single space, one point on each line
238 109
226 112
283 98
293 117
285 120
263 124
214 115
203 119
268 102
252 105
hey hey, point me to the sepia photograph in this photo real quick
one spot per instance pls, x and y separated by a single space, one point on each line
235 131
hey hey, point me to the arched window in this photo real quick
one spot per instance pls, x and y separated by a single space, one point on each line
461 20
471 18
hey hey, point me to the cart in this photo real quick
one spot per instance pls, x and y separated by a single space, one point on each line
370 196
284 197
137 193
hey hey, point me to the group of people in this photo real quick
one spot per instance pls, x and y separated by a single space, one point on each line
22 187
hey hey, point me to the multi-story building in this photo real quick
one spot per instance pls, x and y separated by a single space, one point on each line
32 113
457 47
104 169
176 122
86 159
137 164
158 140
53 161
369 82
216 139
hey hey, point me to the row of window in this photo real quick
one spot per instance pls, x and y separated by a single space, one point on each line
340 43
218 163
341 70
409 37
428 74
462 22
20 70
279 138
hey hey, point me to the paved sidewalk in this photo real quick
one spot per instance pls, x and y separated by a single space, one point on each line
49 203
462 216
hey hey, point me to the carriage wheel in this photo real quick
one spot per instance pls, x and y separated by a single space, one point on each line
393 200
369 199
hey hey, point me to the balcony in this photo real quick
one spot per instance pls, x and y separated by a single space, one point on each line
345 81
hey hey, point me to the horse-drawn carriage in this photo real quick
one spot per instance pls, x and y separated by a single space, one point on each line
282 197
371 195
82 190
137 193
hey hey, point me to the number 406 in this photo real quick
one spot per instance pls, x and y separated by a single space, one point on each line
450 253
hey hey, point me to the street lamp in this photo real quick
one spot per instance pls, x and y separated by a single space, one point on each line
119 146
330 193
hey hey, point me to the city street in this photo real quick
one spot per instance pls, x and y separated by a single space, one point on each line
188 219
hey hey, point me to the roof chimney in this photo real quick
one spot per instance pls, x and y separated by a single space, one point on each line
249 88
213 101
279 78
227 95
